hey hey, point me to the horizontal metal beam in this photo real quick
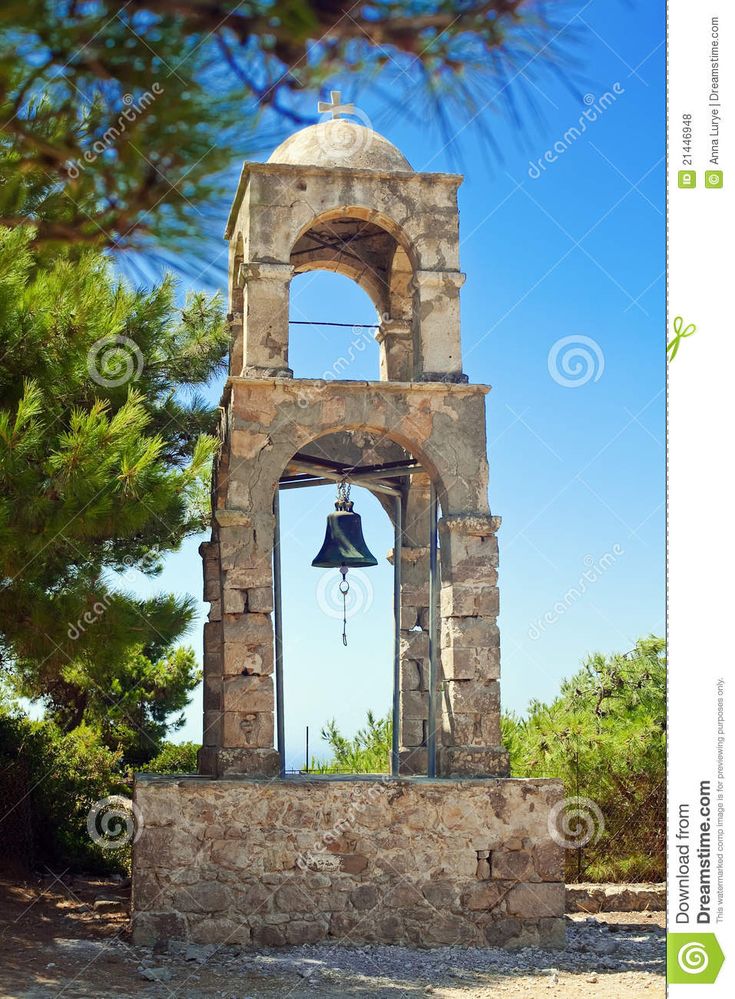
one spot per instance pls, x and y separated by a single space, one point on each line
300 483
384 468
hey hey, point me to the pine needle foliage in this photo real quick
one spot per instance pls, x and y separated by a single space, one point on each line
105 450
123 122
605 736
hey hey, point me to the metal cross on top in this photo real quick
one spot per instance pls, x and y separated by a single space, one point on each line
335 107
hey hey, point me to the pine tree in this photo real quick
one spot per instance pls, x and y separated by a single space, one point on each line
605 736
121 121
104 448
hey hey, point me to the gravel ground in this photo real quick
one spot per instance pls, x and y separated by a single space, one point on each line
55 944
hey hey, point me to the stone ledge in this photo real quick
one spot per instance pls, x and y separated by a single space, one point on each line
297 385
616 897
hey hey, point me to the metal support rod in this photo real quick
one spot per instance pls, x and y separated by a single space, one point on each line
329 477
278 627
397 545
433 643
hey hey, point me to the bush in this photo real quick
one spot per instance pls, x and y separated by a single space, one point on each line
604 735
367 753
49 781
173 758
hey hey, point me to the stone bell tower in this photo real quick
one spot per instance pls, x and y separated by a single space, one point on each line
340 197
447 849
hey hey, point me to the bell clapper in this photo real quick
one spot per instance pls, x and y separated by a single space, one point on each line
344 589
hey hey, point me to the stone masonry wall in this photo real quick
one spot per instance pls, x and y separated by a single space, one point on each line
348 861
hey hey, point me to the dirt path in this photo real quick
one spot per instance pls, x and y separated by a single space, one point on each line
54 944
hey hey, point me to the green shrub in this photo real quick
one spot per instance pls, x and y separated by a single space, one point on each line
604 735
49 782
173 758
367 753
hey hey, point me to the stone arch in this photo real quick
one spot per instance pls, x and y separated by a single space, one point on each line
392 445
374 251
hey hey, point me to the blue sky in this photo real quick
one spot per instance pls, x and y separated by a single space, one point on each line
577 473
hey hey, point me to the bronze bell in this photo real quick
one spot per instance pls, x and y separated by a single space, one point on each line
344 545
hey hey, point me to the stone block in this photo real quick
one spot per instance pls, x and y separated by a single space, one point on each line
472 730
239 658
469 697
470 599
251 730
412 674
365 897
471 664
247 762
212 731
414 644
248 694
414 704
473 761
260 599
150 928
412 761
299 932
233 601
247 629
413 731
469 633
513 865
548 861
536 900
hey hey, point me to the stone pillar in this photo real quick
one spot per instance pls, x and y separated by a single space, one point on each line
238 665
265 309
439 338
470 648
395 338
414 695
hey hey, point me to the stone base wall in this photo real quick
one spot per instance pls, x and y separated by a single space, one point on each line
350 861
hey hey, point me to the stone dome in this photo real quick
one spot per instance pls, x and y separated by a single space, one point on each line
340 143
